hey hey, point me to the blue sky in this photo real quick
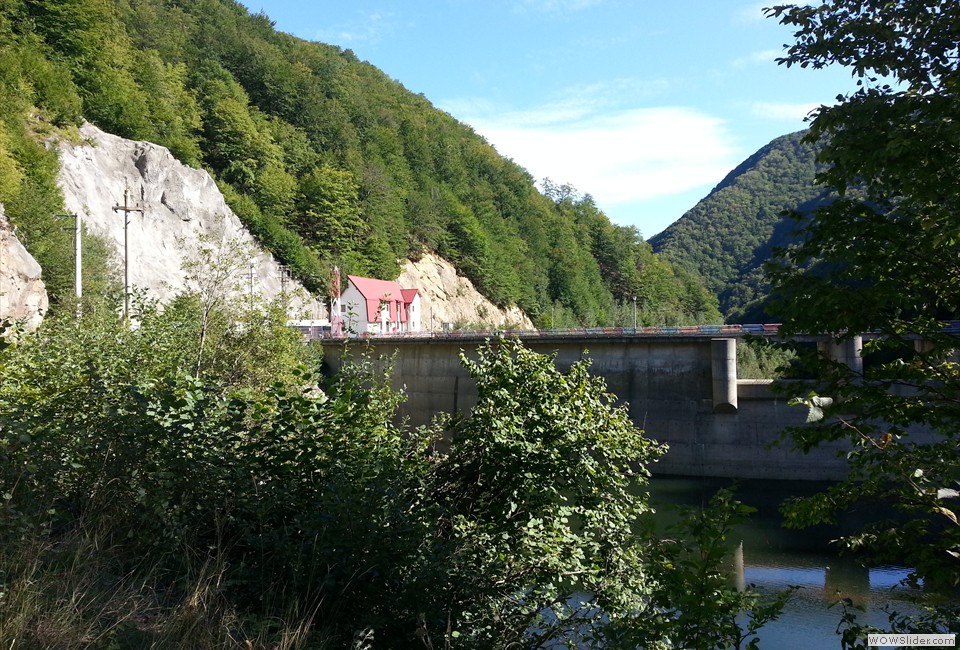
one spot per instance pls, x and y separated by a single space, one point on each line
645 105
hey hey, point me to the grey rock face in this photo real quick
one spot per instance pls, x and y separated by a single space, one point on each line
182 211
23 296
450 298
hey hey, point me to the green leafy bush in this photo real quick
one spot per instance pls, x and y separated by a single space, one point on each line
522 526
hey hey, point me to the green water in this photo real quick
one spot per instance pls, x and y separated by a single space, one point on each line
774 558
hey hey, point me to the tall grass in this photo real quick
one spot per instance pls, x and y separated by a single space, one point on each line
75 592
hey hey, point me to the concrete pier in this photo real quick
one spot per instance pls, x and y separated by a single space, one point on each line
724 375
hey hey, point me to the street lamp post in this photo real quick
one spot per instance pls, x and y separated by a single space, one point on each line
634 313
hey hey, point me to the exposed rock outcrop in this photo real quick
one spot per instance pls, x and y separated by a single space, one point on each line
446 297
181 207
23 296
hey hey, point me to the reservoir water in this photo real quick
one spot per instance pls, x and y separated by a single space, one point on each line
775 558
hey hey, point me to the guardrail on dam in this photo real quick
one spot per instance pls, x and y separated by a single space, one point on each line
681 389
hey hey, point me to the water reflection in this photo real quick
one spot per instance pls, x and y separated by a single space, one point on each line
772 558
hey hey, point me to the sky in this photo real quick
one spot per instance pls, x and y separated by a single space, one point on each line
645 105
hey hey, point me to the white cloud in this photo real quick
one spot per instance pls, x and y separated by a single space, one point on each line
758 58
753 13
560 6
370 29
617 157
568 106
624 91
781 111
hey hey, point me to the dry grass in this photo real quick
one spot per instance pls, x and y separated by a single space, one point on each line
72 594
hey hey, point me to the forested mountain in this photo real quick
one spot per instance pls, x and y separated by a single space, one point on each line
729 234
326 159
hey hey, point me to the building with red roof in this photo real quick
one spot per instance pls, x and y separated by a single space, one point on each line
370 306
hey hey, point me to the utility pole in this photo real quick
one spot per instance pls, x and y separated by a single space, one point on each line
3 248
126 209
634 314
78 258
336 311
252 264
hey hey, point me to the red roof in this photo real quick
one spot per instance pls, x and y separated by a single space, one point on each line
376 292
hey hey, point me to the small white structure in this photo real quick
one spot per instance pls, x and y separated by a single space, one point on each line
369 306
311 329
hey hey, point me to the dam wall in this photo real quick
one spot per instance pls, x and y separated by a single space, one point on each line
681 390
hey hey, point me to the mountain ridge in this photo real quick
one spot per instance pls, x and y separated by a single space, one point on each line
731 232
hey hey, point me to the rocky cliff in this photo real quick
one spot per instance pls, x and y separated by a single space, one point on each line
178 210
450 298
22 294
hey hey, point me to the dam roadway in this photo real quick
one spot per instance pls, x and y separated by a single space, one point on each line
680 388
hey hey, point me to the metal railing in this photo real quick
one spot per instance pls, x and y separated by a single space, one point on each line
757 329
323 333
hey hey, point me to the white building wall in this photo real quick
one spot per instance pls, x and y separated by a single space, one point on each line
385 324
353 311
414 320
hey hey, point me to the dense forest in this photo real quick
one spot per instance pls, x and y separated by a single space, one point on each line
727 236
325 158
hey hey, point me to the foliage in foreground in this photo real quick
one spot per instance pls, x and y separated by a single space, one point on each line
168 508
883 259
693 605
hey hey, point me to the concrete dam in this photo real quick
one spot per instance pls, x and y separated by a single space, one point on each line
681 389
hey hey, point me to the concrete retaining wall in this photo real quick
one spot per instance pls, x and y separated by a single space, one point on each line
681 390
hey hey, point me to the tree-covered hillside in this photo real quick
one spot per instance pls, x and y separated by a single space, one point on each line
326 159
728 235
